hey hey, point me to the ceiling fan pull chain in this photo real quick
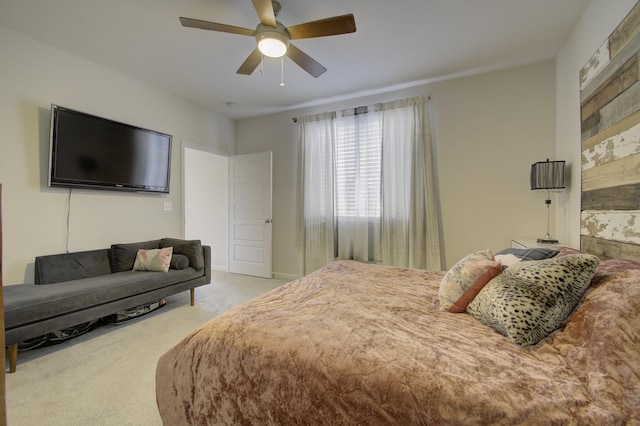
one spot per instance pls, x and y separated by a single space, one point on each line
262 64
282 71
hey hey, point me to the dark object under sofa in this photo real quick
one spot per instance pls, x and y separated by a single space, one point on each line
74 288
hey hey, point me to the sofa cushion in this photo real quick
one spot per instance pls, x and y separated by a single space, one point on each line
179 261
29 303
190 248
57 268
124 255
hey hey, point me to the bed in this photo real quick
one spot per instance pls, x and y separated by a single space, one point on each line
366 344
356 343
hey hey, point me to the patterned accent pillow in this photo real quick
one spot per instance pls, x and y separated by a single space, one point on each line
530 300
465 279
153 260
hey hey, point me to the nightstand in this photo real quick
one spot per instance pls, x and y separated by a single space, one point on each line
517 242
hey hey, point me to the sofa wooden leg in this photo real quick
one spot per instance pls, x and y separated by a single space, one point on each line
13 357
192 291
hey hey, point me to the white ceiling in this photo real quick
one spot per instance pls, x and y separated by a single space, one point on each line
397 43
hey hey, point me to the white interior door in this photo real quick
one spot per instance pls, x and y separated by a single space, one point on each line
250 214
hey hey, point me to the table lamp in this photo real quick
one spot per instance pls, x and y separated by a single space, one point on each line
547 176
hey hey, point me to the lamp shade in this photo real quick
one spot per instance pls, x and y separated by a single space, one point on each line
547 175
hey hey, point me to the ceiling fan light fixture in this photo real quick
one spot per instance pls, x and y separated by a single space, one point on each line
272 38
272 44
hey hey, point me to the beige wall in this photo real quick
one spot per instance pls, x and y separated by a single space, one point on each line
33 76
489 129
596 24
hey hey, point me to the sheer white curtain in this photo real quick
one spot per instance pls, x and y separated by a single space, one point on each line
410 214
315 192
366 187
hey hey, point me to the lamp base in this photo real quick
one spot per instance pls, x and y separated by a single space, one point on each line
547 240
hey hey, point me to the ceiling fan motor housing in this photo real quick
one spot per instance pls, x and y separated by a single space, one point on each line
272 41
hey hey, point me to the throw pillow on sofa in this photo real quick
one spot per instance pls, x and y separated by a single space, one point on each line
179 261
157 260
190 248
123 256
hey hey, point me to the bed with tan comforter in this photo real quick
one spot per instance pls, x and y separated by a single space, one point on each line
361 344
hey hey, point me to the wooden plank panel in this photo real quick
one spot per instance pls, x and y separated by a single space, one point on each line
623 106
619 127
625 197
616 173
619 146
625 31
609 249
590 126
612 66
621 80
620 226
596 63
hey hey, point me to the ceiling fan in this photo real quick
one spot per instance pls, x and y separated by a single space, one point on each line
273 38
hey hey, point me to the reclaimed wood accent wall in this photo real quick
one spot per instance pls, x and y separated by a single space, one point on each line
610 125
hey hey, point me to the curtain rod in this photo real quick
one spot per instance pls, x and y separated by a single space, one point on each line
295 119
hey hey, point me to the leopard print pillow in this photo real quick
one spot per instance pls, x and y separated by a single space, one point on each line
530 300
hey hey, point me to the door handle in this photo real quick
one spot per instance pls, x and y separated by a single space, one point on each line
268 221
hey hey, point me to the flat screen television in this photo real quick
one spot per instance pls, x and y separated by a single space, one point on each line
95 153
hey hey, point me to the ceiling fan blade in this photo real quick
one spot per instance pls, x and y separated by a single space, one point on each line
251 63
214 26
305 61
264 8
336 25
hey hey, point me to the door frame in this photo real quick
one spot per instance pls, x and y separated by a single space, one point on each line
214 151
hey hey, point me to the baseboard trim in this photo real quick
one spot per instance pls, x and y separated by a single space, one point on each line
278 275
284 276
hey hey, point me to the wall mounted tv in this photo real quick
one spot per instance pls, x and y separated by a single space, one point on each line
95 153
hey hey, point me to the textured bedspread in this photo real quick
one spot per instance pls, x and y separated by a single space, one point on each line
363 344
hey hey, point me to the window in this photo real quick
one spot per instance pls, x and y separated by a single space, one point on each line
358 149
365 187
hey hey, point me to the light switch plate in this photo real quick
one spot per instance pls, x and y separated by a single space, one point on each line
168 206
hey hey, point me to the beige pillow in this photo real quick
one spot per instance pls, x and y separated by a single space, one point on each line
153 260
470 273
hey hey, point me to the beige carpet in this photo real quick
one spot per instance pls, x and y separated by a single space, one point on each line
107 376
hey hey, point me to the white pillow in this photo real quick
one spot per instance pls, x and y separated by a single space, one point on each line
507 259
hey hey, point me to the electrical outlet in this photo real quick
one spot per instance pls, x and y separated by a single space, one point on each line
168 206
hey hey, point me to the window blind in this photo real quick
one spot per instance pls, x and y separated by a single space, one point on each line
358 166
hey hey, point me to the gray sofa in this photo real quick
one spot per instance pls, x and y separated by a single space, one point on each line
74 288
